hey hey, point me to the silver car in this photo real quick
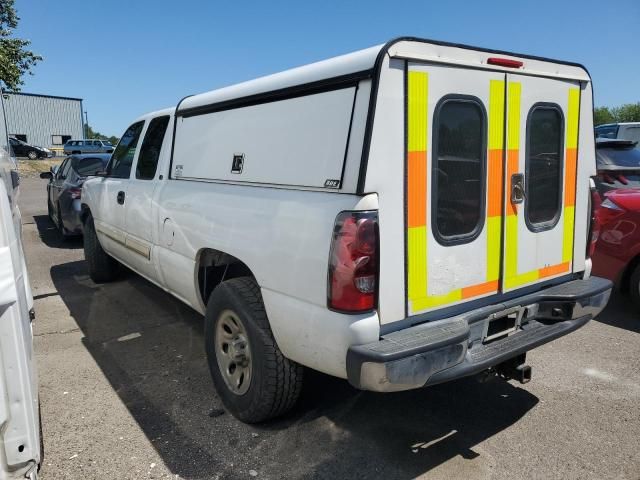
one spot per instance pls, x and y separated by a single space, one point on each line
77 147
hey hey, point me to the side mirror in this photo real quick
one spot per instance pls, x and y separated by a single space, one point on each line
47 175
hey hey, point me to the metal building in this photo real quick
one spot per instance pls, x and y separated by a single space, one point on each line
43 120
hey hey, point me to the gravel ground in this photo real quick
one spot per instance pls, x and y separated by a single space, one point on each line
126 394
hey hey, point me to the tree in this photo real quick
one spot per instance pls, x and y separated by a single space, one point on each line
91 133
629 112
602 115
15 59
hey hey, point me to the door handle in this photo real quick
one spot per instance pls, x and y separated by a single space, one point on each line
121 198
517 188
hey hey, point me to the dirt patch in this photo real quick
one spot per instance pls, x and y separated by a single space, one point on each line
33 168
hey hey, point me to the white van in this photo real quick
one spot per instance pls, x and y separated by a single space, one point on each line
20 441
399 217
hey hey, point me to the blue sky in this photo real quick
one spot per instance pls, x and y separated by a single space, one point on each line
125 58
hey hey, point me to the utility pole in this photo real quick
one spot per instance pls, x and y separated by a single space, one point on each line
86 125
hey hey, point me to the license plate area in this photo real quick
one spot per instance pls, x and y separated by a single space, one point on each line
502 324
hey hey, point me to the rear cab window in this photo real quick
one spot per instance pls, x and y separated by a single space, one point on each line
544 166
150 149
459 159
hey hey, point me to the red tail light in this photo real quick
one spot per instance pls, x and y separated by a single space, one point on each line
594 227
353 263
75 193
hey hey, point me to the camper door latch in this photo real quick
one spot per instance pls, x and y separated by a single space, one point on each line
517 188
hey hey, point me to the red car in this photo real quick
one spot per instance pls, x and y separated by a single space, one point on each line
617 252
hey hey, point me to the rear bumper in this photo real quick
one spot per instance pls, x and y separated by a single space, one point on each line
443 350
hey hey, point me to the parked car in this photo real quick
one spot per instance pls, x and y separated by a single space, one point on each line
20 434
348 216
76 147
624 131
65 188
23 149
617 253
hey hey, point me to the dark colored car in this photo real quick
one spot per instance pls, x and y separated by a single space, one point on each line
23 149
65 188
617 253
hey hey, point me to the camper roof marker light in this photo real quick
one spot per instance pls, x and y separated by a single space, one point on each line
504 62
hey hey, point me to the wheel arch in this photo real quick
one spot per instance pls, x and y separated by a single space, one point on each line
85 211
212 267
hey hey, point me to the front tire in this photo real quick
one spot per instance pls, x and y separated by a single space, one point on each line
253 379
102 267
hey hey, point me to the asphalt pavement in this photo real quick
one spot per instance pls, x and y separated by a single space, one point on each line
126 394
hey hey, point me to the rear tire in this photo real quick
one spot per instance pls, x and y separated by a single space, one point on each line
634 286
32 155
102 267
274 381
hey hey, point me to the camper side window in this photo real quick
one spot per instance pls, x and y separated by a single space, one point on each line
458 169
545 133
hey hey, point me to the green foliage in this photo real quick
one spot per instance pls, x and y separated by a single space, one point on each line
602 115
91 133
629 112
15 59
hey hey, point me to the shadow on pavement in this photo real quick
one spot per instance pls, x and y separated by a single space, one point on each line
621 312
51 237
150 348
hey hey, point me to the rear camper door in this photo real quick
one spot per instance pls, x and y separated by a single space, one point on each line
455 126
490 183
542 140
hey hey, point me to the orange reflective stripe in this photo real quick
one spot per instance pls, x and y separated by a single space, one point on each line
417 189
494 208
553 270
480 289
570 177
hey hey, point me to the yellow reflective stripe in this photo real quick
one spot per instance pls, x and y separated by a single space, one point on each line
513 160
519 280
417 264
513 122
417 97
432 301
417 111
573 109
494 225
496 114
511 247
495 179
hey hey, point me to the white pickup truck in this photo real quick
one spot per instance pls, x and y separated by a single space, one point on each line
399 217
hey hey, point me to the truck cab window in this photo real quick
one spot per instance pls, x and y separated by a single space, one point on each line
150 150
122 158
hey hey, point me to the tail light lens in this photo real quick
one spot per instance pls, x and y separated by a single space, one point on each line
75 193
594 224
353 262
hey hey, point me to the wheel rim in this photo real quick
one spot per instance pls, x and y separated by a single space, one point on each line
233 352
32 155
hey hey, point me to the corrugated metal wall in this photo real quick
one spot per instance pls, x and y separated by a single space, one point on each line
40 117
